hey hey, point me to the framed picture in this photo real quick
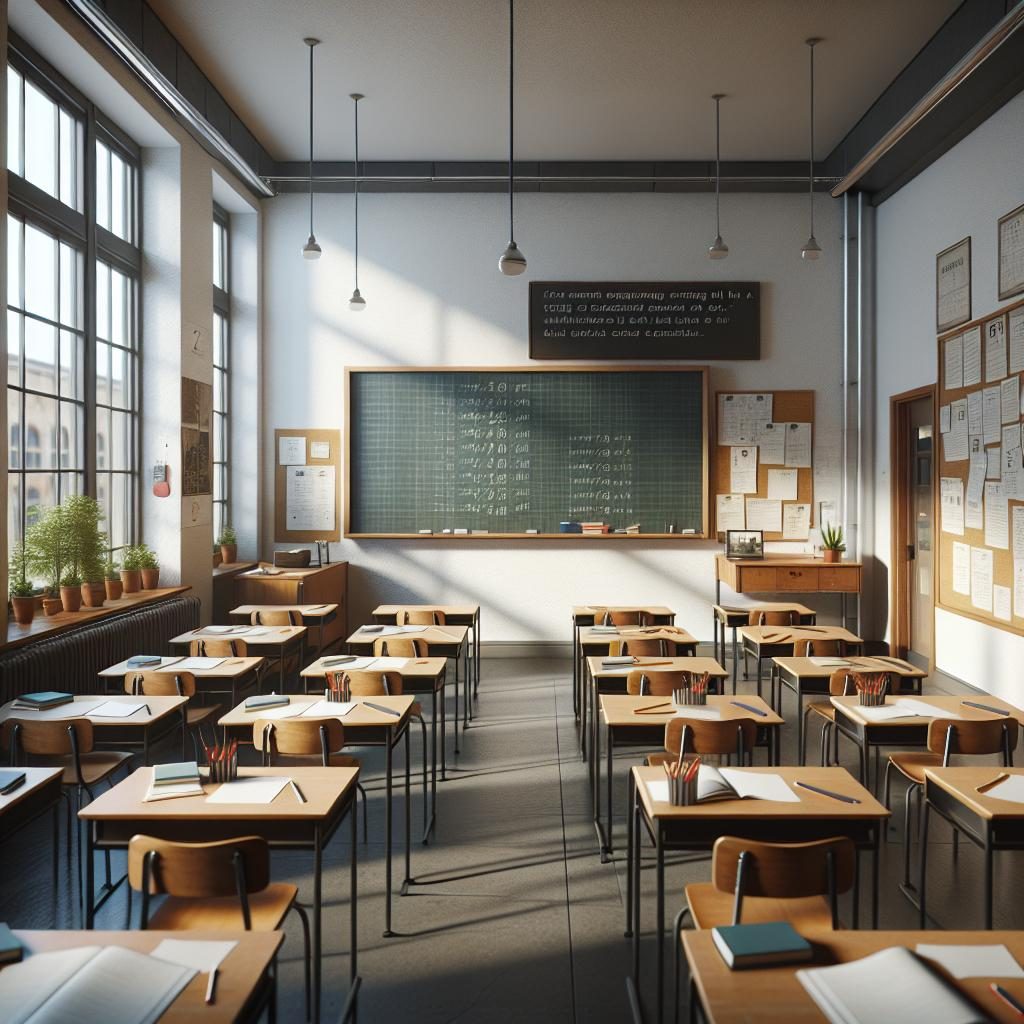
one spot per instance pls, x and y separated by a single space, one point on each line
744 544
1011 253
953 286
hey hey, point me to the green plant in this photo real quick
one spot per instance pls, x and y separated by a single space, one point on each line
81 517
20 584
47 548
139 556
110 570
71 579
227 536
832 538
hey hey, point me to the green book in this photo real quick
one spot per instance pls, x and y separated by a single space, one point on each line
10 947
170 774
44 699
265 700
759 945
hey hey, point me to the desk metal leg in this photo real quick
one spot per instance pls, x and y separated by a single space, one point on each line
352 1002
575 670
988 877
595 795
317 915
584 690
608 790
467 703
735 654
455 722
428 825
660 923
444 732
388 794
875 857
922 921
476 653
856 887
90 875
408 815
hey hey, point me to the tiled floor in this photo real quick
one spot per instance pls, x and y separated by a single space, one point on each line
512 917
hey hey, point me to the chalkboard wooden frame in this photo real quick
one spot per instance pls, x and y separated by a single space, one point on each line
702 371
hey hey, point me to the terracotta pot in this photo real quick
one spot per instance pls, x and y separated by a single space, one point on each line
831 555
71 598
217 559
24 609
52 605
93 595
150 579
229 553
113 589
131 580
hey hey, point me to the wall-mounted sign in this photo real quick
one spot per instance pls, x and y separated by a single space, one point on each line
645 320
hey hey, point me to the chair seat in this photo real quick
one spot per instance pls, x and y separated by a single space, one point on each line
97 766
344 761
268 909
711 908
912 765
825 708
202 713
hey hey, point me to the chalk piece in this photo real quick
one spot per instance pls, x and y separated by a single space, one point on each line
533 530
426 531
461 529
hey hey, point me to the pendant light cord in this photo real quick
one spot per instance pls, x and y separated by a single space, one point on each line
718 166
511 113
810 174
311 45
355 184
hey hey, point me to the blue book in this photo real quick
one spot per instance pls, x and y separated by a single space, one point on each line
44 699
142 660
758 945
10 946
266 700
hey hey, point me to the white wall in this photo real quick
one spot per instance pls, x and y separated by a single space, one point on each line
429 274
963 193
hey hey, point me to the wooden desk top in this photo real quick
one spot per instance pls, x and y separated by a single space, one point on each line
232 568
619 710
448 609
962 783
359 716
274 573
159 707
407 668
805 668
776 560
765 995
788 634
269 635
307 611
229 668
709 665
237 976
810 805
322 788
35 779
583 610
589 636
725 610
432 634
945 707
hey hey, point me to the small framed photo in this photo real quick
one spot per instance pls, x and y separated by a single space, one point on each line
1011 253
953 286
744 544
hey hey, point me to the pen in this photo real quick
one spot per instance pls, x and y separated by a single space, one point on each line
210 986
650 664
749 707
986 786
298 792
985 707
380 707
828 792
1007 998
651 708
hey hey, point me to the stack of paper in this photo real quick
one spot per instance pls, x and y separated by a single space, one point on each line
328 709
116 709
250 789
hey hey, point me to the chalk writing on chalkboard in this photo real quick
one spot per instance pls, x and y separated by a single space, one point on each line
645 320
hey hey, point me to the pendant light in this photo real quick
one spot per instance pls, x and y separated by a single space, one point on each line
718 250
811 249
357 303
311 251
512 260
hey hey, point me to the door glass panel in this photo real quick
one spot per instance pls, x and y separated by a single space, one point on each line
920 528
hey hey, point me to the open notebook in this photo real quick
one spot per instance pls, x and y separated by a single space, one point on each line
731 784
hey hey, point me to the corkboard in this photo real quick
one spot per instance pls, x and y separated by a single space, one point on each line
282 535
1002 559
787 407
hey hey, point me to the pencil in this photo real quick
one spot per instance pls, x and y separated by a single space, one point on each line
299 795
211 986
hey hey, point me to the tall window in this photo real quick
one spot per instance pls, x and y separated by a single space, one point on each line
72 317
221 368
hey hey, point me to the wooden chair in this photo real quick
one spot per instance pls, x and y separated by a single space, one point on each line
400 647
284 617
178 684
228 647
722 738
215 886
419 617
819 649
647 648
766 617
946 736
755 883
612 618
649 683
289 740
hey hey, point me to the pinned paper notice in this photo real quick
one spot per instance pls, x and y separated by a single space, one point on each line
319 449
782 484
291 451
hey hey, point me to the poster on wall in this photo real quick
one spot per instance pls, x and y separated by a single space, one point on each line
1011 253
953 285
196 447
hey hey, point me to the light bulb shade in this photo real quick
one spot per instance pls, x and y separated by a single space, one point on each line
811 249
311 251
718 250
512 261
357 303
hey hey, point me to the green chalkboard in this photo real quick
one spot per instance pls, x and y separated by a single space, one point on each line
508 451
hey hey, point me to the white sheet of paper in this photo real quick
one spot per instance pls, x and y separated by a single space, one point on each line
739 417
943 419
291 451
771 443
1012 789
282 711
981 579
798 445
973 961
994 470
975 414
118 709
922 709
1018 588
782 484
223 630
319 449
1009 399
76 709
995 349
310 498
764 514
704 714
1001 597
972 357
249 789
796 520
991 412
199 955
658 789
1016 340
329 709
1018 532
1012 472
973 499
954 363
730 512
759 785
962 569
954 441
827 513
951 504
883 713
743 470
996 516
193 665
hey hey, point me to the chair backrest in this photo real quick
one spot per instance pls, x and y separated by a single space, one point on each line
298 737
219 647
949 736
745 867
614 618
764 617
874 649
818 648
367 683
419 617
160 684
400 647
710 736
841 684
58 738
643 648
656 683
285 617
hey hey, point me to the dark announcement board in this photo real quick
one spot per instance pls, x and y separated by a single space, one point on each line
510 451
645 320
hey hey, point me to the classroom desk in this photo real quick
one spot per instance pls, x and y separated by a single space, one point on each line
625 728
121 812
112 732
276 640
989 823
697 827
314 616
766 995
724 617
803 677
761 642
442 642
39 793
419 676
246 981
230 676
367 727
454 615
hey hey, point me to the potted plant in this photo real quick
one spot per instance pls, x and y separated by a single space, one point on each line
111 580
81 518
131 569
832 539
71 591
150 567
23 598
217 557
46 553
228 541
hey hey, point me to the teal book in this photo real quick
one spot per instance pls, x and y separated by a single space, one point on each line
44 699
760 945
10 946
170 774
265 700
143 660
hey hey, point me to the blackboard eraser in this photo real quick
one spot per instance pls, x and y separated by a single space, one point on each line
690 531
447 529
461 530
425 531
481 531
533 529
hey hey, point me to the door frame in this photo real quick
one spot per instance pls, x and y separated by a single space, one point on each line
900 580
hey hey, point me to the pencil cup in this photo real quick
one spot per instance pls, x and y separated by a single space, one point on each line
224 769
690 696
873 697
682 793
337 688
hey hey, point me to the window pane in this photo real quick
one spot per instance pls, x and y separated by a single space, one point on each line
120 382
40 432
13 348
102 186
40 356
120 438
218 438
102 300
102 373
71 483
119 293
72 435
14 429
14 234
218 390
102 438
120 513
70 287
40 492
41 140
13 121
68 160
13 510
41 273
72 365
118 193
218 339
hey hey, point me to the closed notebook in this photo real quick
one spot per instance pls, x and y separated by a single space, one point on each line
10 946
170 774
265 700
10 780
142 660
44 699
758 945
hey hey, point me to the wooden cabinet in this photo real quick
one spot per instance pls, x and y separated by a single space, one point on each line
843 579
776 573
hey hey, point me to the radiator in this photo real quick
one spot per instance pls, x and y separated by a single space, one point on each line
72 660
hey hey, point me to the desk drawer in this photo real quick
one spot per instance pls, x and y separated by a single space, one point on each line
842 578
796 579
757 580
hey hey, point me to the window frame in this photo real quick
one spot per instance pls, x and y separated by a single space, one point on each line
222 308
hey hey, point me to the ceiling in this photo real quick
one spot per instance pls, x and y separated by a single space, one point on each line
595 79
